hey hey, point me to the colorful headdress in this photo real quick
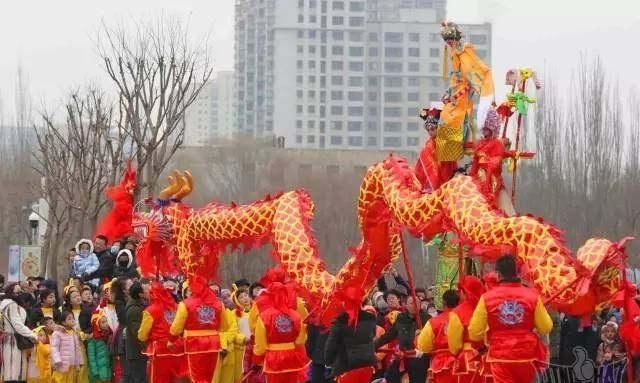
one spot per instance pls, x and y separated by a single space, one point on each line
472 288
492 121
431 116
450 31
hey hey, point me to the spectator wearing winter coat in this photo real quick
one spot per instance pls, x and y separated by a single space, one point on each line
14 316
316 341
125 266
45 309
98 357
85 263
350 350
106 259
66 351
136 361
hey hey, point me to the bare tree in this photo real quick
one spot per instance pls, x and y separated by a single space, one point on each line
157 74
77 160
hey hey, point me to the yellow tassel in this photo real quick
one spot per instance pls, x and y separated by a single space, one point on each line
444 62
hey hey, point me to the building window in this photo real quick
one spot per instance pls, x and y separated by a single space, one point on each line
336 125
299 124
354 126
373 111
338 35
336 95
355 111
355 141
356 51
356 6
311 139
298 139
312 79
356 21
336 80
373 36
299 93
355 81
434 52
356 66
434 97
434 81
300 34
392 52
393 67
478 39
413 96
373 81
336 65
299 64
414 67
373 67
299 109
425 3
300 19
300 3
434 67
414 37
413 126
392 97
337 5
393 37
393 82
337 50
373 52
356 96
300 49
356 36
312 64
311 109
482 53
392 112
372 126
412 141
414 52
312 33
336 110
311 125
312 3
392 126
312 49
433 37
337 20
412 111
392 142
372 141
336 140
322 126
373 96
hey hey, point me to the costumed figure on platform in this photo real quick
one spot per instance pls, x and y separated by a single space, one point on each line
200 319
117 223
469 364
512 316
433 340
165 351
280 338
430 172
469 77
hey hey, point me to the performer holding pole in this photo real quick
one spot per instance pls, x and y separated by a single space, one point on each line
509 314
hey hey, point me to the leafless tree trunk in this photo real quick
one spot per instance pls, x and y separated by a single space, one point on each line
157 74
77 161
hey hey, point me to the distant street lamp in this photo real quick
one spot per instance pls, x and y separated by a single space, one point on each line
34 221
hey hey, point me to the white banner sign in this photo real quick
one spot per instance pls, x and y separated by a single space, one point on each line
13 266
30 260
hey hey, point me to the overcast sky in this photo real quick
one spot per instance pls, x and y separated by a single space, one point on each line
53 39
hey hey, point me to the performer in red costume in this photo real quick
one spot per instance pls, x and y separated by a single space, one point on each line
488 155
117 223
165 352
200 320
429 171
468 365
280 338
508 314
433 340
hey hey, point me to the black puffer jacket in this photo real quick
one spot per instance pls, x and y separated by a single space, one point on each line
349 348
404 330
316 341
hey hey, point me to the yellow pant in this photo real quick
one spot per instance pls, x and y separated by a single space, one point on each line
65 377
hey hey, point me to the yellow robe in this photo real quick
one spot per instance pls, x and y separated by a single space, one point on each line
468 73
229 368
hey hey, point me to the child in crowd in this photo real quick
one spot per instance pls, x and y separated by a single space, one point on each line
40 360
98 356
611 348
66 351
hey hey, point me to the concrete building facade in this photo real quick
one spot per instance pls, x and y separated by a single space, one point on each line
341 74
211 115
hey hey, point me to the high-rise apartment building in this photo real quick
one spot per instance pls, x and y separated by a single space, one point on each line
211 115
340 73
